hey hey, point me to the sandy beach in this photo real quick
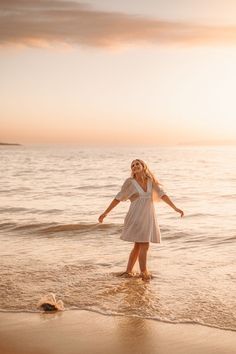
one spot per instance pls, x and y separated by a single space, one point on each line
75 332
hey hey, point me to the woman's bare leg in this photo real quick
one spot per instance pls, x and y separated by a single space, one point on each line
133 257
143 256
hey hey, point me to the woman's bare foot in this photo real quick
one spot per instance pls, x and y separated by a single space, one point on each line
146 276
127 274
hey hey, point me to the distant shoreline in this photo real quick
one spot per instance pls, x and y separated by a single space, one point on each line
12 144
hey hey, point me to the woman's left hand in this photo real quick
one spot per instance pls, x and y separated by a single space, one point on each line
101 217
180 211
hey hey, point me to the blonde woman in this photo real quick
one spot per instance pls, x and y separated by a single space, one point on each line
140 225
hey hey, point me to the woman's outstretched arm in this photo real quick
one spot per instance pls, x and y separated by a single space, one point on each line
110 207
168 201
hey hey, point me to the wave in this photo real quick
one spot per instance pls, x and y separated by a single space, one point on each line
7 225
80 227
159 319
28 210
115 314
12 209
176 236
224 240
87 187
198 215
30 227
47 228
18 190
228 196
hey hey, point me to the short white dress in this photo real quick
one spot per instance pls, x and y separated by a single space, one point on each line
140 223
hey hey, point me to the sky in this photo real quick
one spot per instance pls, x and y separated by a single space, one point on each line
118 72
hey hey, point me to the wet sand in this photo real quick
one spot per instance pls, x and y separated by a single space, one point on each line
80 332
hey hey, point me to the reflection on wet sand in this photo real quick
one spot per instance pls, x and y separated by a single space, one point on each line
132 296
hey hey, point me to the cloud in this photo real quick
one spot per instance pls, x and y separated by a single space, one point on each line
48 22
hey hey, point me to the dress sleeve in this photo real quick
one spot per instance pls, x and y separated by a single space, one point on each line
157 192
126 192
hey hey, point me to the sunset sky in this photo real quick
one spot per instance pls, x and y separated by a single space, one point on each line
118 72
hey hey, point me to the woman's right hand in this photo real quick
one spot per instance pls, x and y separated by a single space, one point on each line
180 211
101 217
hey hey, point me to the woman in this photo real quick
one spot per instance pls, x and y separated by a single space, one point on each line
140 225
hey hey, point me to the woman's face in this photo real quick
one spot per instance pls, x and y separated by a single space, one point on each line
136 166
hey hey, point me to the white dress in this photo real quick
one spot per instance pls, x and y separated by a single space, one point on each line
140 223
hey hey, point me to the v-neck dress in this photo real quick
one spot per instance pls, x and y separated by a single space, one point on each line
140 224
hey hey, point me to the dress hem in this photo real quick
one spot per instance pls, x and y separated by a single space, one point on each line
149 241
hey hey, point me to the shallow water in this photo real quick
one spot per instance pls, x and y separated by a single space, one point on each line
50 240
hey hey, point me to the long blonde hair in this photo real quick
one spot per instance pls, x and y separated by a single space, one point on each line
147 172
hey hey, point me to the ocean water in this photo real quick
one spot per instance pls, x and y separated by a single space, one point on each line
51 241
